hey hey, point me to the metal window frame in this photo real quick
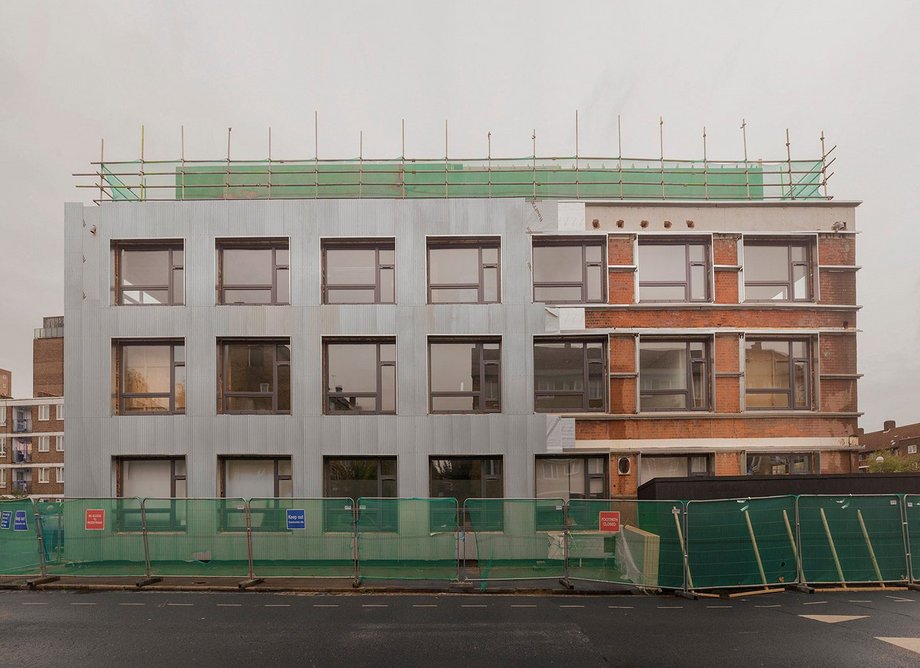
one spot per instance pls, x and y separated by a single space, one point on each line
380 365
376 245
789 284
787 456
119 247
46 409
119 346
792 362
571 242
478 342
588 477
479 243
272 244
381 478
586 364
689 392
46 440
689 264
223 352
173 476
278 476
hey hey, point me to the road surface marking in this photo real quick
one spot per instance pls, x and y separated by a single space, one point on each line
476 605
571 606
277 605
130 604
670 607
325 605
424 605
229 605
775 605
522 605
374 605
898 599
858 601
620 607
718 607
83 604
911 644
815 603
180 604
35 603
834 619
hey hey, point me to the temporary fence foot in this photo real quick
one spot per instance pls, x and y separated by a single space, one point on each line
801 588
147 581
31 584
356 583
250 583
565 583
692 595
913 586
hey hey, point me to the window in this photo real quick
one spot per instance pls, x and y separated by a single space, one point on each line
464 271
780 464
59 411
465 478
777 270
59 443
568 270
360 376
571 477
777 374
255 477
673 467
44 475
569 375
44 443
148 377
911 449
2 416
359 272
254 376
44 412
253 271
148 273
2 446
159 477
357 477
464 376
673 271
2 477
673 375
59 475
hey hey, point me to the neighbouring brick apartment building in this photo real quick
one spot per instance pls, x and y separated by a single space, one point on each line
901 441
400 340
32 430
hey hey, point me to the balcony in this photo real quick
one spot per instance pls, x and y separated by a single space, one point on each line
21 426
22 456
22 487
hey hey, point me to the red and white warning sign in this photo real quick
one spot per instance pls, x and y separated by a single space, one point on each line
609 521
95 519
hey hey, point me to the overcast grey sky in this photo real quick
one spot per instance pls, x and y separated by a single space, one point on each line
71 73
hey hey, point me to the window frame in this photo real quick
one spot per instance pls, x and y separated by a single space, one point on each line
375 244
278 476
59 411
44 475
479 342
478 242
174 477
788 457
44 443
604 476
808 244
586 364
171 286
707 362
59 443
44 412
274 244
808 361
689 264
462 519
118 346
378 371
223 396
381 478
540 241
59 474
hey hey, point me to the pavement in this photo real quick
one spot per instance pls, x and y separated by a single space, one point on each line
153 628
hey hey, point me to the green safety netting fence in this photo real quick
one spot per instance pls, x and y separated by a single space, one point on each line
912 522
302 537
515 539
741 542
197 537
626 542
851 539
101 537
19 544
407 539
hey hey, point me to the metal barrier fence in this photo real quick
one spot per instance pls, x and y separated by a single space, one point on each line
673 545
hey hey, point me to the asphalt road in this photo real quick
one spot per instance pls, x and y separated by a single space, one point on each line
217 629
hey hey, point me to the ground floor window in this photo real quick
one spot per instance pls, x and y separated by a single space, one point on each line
467 478
582 477
782 463
254 478
158 481
682 466
357 477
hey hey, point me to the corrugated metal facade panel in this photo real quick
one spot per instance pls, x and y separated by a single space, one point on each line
94 435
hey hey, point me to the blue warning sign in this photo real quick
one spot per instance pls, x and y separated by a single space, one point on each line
20 523
5 517
296 519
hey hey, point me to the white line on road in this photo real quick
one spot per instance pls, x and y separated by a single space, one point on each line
775 605
180 604
718 607
277 605
670 607
227 605
27 603
476 605
900 599
325 605
424 605
571 606
130 604
83 604
815 603
374 605
858 601
522 605
620 607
